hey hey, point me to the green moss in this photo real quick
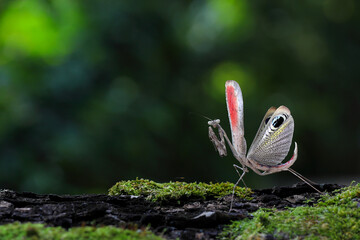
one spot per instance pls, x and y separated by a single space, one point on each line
176 190
333 217
37 231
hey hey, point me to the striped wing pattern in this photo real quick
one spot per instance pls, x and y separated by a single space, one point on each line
272 143
262 129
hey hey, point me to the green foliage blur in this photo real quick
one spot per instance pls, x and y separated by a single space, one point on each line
93 92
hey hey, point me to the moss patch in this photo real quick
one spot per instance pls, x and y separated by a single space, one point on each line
37 231
176 190
333 217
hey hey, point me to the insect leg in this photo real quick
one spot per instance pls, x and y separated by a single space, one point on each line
222 133
244 169
305 180
219 144
294 172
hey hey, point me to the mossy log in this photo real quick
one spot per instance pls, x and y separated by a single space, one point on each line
191 216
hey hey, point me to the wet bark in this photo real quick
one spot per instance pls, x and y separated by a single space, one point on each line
186 218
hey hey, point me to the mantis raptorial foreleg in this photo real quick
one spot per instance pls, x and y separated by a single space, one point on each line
220 144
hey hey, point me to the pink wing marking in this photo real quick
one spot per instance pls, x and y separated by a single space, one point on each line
279 167
233 106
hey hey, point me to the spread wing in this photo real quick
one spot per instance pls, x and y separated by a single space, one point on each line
234 103
262 128
273 139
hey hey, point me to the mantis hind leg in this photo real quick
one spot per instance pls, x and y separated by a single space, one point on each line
240 175
304 179
237 182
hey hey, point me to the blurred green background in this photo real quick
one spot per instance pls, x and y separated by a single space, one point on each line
92 92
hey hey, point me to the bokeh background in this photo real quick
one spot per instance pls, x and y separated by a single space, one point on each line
92 92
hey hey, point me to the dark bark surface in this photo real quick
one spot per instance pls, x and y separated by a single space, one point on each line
184 219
